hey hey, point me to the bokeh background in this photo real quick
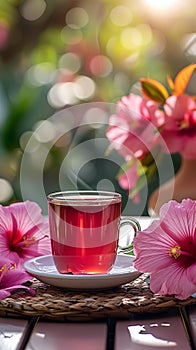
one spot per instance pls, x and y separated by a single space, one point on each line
57 55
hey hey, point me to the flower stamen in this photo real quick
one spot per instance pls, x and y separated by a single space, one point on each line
28 241
4 268
184 125
175 252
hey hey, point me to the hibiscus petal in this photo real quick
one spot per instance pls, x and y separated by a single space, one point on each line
179 110
41 247
41 244
13 256
4 294
188 146
41 230
130 129
11 278
151 248
173 141
5 238
177 106
6 223
30 235
14 277
172 281
27 215
191 273
178 219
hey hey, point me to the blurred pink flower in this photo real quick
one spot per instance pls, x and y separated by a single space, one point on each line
133 129
167 250
144 128
179 131
24 233
12 279
128 180
133 132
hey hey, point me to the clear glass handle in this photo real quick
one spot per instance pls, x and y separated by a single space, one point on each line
127 234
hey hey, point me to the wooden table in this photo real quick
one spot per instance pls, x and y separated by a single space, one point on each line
173 329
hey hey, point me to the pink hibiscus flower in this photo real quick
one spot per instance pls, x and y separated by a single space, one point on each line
179 131
129 179
167 250
12 279
133 129
24 233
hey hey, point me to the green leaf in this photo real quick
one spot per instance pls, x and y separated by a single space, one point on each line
154 90
145 173
170 83
139 185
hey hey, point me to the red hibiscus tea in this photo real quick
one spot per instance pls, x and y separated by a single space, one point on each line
84 230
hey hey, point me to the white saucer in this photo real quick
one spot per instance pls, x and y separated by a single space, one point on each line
43 269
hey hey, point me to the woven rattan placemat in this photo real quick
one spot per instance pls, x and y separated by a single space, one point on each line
60 304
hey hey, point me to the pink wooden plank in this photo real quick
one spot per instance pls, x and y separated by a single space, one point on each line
72 336
11 331
158 334
192 319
